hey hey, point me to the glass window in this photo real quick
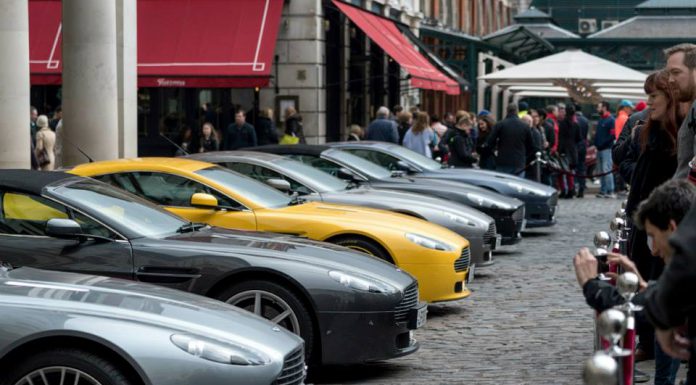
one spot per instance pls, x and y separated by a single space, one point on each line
24 214
90 226
318 163
376 157
249 188
263 174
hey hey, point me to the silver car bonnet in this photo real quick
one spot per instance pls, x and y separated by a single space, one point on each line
105 297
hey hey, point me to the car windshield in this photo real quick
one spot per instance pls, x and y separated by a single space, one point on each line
246 187
120 209
364 166
318 180
419 160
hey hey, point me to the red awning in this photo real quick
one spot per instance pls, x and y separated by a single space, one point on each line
181 43
386 34
45 53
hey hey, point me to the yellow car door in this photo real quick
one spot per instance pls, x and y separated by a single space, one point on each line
174 193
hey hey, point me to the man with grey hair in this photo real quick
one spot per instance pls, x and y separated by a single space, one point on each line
681 65
513 139
382 129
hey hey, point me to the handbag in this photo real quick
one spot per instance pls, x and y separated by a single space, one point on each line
42 158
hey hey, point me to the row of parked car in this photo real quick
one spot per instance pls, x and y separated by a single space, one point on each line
339 248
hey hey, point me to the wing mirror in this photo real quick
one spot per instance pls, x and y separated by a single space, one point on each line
63 228
279 184
403 166
204 201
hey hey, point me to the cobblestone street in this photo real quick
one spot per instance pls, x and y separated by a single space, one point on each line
525 323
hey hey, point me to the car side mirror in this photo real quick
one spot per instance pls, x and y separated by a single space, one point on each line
204 201
279 184
403 166
63 228
349 175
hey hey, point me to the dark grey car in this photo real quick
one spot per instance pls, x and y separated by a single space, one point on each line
347 306
507 212
60 328
314 185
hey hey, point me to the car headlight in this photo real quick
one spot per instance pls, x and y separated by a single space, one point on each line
521 188
459 219
428 243
483 200
220 352
361 282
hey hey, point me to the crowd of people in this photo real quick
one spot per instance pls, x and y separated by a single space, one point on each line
654 152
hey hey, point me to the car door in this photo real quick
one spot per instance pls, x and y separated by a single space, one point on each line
24 242
174 192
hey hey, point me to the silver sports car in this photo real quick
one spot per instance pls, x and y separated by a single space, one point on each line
72 329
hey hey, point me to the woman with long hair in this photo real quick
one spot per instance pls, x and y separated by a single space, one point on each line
209 140
420 138
652 160
404 121
487 157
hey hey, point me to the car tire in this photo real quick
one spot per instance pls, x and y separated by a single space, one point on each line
92 368
365 246
277 299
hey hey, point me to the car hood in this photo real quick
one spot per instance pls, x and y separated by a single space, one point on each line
450 188
104 297
221 241
406 202
504 183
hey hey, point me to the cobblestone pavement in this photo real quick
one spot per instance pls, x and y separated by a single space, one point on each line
526 321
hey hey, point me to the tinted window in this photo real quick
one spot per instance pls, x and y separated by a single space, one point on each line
380 158
357 163
318 163
251 189
262 174
23 214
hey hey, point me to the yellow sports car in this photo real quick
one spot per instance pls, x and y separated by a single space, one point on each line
203 192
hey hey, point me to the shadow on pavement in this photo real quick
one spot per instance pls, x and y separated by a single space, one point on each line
353 373
534 234
442 310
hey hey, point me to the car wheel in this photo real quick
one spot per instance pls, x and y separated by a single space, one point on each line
274 303
63 367
365 246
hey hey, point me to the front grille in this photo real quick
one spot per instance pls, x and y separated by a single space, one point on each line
489 236
518 215
293 372
462 263
409 301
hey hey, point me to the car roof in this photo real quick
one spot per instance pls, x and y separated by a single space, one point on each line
190 165
30 181
362 143
219 156
295 149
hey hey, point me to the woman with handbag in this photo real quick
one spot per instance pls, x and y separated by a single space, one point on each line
45 145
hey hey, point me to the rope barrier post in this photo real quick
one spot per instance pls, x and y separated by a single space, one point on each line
538 166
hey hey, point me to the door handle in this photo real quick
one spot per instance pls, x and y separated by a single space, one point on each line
157 274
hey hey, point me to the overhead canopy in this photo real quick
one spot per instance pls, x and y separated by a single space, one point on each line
181 43
386 34
520 41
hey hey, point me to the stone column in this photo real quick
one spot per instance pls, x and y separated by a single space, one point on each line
481 84
14 84
90 81
495 92
127 56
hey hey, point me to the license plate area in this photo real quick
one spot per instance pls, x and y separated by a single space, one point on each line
418 316
470 275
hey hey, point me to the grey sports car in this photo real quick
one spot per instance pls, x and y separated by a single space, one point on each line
540 200
311 184
348 307
508 212
72 329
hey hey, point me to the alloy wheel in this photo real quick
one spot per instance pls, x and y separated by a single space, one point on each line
268 306
58 375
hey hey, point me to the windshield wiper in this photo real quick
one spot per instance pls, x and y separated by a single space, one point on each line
296 200
189 227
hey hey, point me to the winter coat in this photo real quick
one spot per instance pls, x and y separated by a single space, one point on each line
461 148
293 126
265 131
382 130
621 147
486 155
672 300
604 137
208 145
236 137
513 139
568 139
46 140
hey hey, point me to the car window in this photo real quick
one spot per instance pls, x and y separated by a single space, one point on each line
318 163
90 226
165 189
24 214
263 174
380 158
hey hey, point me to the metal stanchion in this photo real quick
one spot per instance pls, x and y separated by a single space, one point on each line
627 285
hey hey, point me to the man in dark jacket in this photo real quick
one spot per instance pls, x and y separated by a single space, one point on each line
604 139
584 126
265 128
239 134
513 139
461 145
382 129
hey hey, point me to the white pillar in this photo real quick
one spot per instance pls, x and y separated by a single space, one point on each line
14 84
127 56
506 101
481 86
90 85
495 91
